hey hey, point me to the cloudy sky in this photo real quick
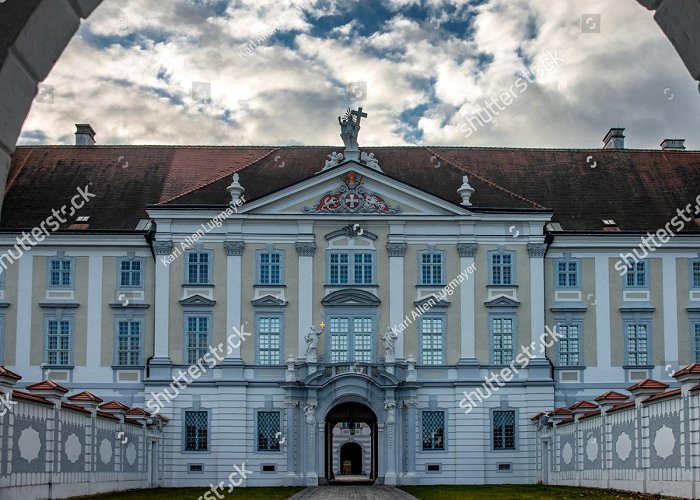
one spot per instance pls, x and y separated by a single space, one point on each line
279 72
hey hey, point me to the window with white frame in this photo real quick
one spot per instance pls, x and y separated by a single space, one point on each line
432 332
270 268
130 273
350 268
636 275
269 427
196 338
199 268
128 343
431 268
502 339
503 430
567 273
58 342
637 344
351 339
696 341
60 273
196 431
502 268
269 340
695 273
569 342
433 428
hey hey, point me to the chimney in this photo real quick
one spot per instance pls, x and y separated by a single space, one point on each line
615 139
84 135
673 145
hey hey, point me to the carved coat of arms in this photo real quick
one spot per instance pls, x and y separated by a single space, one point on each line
352 197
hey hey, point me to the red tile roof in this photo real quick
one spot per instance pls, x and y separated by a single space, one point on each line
612 396
622 406
85 396
138 412
4 372
639 189
663 395
648 383
562 412
30 397
79 409
693 368
590 414
583 405
114 405
47 385
536 417
107 415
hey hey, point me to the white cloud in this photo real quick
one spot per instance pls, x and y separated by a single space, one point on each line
290 94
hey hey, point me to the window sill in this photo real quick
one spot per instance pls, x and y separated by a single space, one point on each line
491 285
436 285
46 366
270 285
348 285
572 367
195 285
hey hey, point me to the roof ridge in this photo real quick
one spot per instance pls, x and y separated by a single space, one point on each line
483 179
162 202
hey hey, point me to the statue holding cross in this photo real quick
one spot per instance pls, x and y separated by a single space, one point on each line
350 129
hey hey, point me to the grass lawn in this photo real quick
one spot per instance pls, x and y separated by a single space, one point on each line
518 492
195 493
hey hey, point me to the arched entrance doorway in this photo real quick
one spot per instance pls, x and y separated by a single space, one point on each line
351 443
351 459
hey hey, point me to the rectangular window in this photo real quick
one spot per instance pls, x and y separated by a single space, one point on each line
637 275
270 271
129 343
198 266
695 273
502 334
339 274
363 269
350 268
196 430
351 339
130 273
431 266
61 273
567 274
637 344
432 341
433 430
696 344
268 431
502 269
569 344
58 343
269 340
197 338
503 429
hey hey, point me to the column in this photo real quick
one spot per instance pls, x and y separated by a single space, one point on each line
305 250
467 360
310 448
24 319
293 443
160 363
232 366
539 366
601 302
396 252
94 370
670 315
410 450
390 475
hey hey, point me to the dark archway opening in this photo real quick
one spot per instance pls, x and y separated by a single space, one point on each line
350 459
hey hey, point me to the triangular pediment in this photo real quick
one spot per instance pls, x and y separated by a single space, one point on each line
502 301
351 297
352 188
269 300
198 300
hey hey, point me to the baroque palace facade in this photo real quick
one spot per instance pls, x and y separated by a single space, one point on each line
314 314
